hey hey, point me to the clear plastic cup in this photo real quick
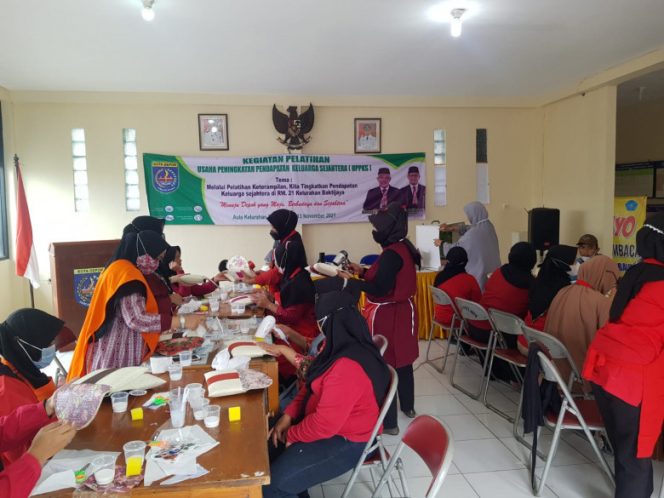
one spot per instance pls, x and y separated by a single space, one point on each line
237 308
223 296
200 412
178 407
119 401
175 371
214 306
212 416
185 358
134 453
103 468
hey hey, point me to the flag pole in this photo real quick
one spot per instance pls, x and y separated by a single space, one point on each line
32 290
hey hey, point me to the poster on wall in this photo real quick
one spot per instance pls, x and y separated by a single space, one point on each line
319 188
629 214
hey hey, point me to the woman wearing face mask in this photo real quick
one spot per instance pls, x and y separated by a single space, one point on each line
171 268
122 325
26 346
555 273
324 430
294 306
479 240
390 285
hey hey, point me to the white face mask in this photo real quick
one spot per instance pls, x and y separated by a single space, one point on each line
573 271
585 258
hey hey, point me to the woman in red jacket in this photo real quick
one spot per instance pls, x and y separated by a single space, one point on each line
30 425
455 282
328 424
625 364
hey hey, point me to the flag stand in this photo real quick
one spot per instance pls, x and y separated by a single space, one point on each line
32 295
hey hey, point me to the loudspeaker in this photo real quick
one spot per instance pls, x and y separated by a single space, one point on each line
543 227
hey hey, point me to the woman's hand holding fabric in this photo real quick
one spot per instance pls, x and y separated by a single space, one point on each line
50 439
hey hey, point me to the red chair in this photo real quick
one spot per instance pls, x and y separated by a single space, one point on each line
430 439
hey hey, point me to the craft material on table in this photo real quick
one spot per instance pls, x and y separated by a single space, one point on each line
78 404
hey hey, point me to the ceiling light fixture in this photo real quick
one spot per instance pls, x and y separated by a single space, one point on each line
148 10
455 26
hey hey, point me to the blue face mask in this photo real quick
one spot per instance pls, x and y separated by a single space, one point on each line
46 358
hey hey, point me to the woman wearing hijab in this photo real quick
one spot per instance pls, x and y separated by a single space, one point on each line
171 268
390 285
579 310
507 290
625 365
327 426
455 282
479 240
122 325
26 346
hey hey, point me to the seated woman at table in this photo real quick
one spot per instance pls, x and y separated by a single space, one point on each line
26 346
579 310
555 273
455 282
326 427
171 268
295 304
30 426
122 325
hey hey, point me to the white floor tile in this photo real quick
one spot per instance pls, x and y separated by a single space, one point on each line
466 427
429 386
454 486
505 484
565 454
498 426
579 481
484 455
440 405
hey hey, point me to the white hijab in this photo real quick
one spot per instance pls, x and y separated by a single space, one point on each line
480 242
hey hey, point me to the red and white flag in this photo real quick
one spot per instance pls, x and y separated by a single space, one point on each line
26 258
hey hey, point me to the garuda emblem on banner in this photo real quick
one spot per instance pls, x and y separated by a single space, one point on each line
294 126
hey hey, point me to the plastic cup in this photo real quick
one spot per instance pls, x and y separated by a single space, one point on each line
159 364
134 453
245 327
119 401
212 416
175 371
237 308
199 413
103 468
223 296
178 407
214 306
185 358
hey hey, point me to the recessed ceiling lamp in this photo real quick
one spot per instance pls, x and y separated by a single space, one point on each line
148 10
455 25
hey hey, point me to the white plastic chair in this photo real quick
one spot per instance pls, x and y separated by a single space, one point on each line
432 441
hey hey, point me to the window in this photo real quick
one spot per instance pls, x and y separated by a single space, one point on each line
440 168
4 231
482 160
132 192
81 197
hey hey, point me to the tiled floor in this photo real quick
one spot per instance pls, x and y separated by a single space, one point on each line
488 461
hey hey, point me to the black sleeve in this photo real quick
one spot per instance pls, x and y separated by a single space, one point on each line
388 266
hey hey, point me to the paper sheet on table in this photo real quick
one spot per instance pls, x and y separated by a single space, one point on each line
223 361
200 472
182 467
58 473
189 307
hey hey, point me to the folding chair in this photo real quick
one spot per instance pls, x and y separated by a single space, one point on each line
64 341
381 343
506 324
575 414
470 310
441 298
431 440
374 452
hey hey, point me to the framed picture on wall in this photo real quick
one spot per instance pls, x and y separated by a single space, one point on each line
367 135
213 131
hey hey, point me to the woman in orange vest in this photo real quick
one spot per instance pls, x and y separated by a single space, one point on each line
26 346
123 324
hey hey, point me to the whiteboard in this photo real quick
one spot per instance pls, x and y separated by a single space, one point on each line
424 237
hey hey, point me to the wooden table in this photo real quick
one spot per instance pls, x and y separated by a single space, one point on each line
233 464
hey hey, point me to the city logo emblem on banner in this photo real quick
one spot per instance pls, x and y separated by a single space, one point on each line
165 176
85 280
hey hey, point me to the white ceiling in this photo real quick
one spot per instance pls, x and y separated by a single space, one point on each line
508 48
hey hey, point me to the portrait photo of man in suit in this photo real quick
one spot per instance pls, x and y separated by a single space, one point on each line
413 194
383 194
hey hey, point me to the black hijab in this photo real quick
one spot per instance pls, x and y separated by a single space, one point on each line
36 327
391 226
164 265
125 250
551 278
295 286
284 222
347 336
457 258
649 245
519 269
136 244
